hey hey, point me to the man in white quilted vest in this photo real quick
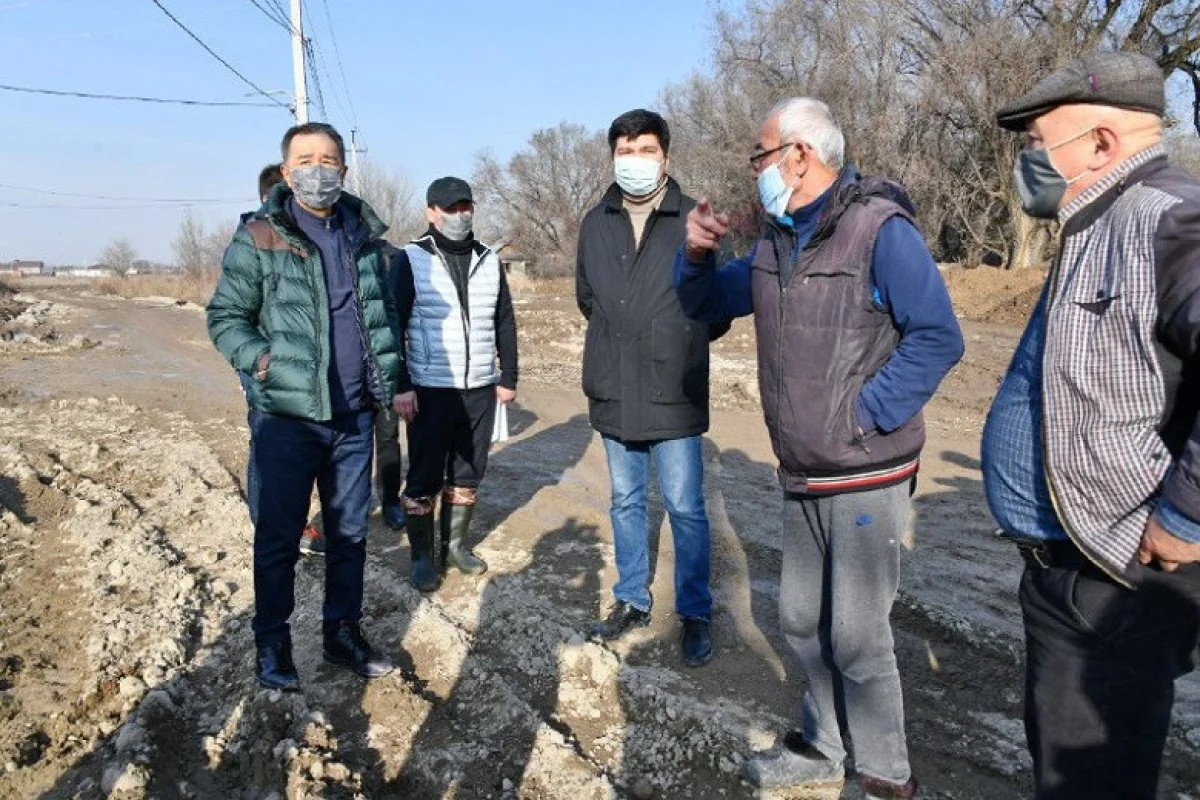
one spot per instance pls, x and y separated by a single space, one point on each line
457 316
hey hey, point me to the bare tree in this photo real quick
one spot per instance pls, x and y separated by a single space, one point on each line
537 200
915 85
198 252
392 195
119 255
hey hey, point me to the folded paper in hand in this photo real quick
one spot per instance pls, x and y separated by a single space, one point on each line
500 429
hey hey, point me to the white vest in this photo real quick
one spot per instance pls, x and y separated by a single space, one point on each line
446 349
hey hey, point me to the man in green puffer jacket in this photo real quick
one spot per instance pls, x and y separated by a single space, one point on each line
302 307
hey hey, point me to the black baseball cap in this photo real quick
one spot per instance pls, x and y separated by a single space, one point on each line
445 192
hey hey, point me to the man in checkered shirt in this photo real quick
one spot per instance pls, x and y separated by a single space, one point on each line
1091 452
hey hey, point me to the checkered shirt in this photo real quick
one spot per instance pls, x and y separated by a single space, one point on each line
1103 389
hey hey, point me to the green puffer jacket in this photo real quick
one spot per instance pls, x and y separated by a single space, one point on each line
272 297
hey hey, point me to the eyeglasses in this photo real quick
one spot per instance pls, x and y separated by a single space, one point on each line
758 157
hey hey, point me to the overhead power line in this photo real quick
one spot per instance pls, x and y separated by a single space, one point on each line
337 54
316 78
139 99
272 15
213 53
115 197
47 206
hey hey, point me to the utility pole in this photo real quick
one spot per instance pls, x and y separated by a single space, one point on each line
356 171
298 66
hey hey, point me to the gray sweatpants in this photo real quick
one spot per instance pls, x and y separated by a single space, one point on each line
841 570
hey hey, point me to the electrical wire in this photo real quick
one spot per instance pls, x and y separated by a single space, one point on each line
114 197
337 54
213 53
316 78
272 15
249 203
138 99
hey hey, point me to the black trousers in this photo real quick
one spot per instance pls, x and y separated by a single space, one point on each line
389 461
448 442
1101 664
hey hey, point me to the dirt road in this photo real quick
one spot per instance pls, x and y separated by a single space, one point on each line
125 595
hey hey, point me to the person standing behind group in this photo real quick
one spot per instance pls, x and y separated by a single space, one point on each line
302 306
855 332
457 316
645 374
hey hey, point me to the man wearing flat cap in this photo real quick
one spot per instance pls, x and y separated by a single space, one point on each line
1091 451
457 315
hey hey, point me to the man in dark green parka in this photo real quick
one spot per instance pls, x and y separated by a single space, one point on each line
302 307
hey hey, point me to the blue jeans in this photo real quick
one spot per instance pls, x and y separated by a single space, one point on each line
680 466
289 456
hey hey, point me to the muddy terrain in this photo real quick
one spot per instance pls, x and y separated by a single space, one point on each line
126 592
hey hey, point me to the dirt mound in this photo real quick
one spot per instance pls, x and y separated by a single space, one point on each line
987 294
9 307
28 323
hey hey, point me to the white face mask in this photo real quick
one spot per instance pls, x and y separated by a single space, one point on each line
457 227
637 176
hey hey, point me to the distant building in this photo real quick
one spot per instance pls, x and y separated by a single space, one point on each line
22 269
511 261
93 271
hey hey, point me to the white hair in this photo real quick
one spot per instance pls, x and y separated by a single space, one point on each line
803 119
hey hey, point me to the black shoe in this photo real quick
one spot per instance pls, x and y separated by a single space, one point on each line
696 642
622 617
345 646
274 667
393 515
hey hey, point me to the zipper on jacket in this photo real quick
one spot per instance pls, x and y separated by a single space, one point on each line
286 229
462 313
374 373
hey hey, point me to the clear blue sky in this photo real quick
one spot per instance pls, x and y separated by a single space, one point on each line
433 83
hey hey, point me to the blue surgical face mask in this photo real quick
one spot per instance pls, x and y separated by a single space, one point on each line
1039 182
637 176
773 190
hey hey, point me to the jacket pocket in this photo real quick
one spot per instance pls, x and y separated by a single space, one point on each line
857 437
677 373
601 361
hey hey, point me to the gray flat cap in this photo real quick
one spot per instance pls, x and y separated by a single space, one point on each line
1123 80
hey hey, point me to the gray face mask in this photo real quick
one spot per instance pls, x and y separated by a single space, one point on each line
457 227
318 186
1040 185
1039 182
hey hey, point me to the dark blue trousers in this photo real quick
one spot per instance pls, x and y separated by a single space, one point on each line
289 456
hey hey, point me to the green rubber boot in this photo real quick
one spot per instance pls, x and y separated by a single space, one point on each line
456 521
